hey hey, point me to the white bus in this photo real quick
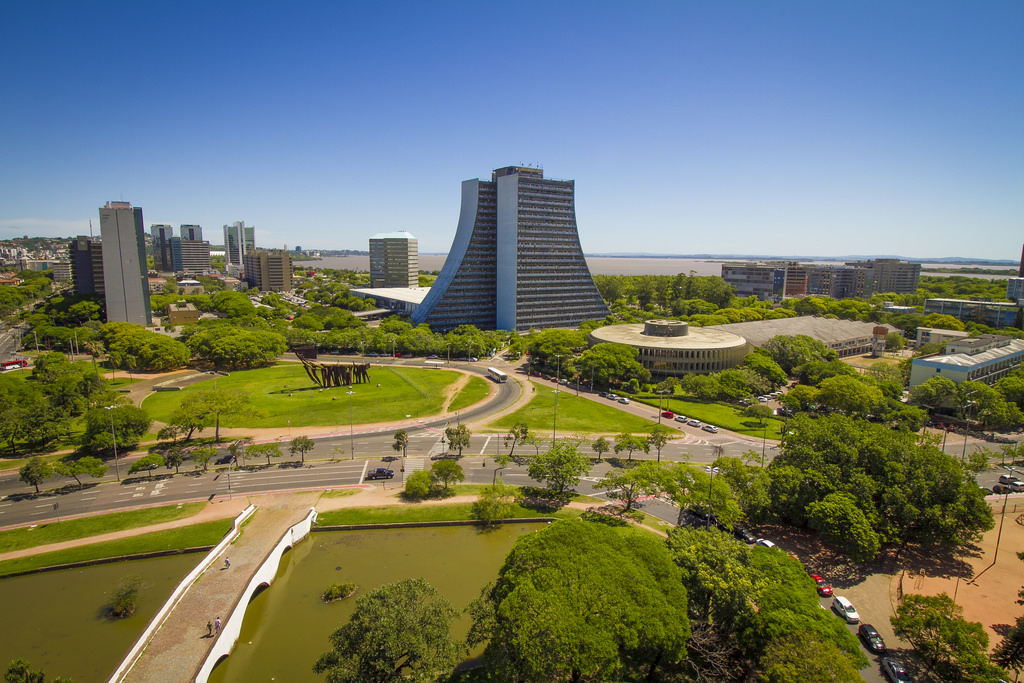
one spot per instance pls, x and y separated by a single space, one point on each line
497 375
434 363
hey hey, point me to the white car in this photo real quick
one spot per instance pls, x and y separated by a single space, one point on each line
764 542
845 609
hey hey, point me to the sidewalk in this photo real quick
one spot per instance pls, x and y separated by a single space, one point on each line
180 646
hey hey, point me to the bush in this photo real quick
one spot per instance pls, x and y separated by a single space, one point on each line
496 502
418 485
338 591
122 600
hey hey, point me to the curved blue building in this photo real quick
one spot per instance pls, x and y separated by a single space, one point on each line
516 262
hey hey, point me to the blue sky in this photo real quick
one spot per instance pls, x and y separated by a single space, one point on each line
816 128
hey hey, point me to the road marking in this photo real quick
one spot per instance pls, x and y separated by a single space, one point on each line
43 512
484 447
93 498
199 484
48 505
6 504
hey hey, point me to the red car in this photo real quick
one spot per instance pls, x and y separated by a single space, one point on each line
668 413
824 590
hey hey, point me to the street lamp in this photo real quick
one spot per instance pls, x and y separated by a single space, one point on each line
554 420
351 437
967 414
712 471
558 367
113 438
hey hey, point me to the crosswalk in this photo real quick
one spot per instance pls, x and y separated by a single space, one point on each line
411 465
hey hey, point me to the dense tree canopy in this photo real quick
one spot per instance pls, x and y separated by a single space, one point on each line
582 601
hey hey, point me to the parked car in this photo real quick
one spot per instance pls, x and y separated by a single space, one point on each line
762 399
624 401
612 397
710 428
894 671
668 413
603 394
743 534
764 542
845 609
1001 488
1016 486
431 357
694 423
872 640
1008 479
681 418
824 590
380 473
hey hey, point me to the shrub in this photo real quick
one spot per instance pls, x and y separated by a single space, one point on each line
418 485
122 600
338 591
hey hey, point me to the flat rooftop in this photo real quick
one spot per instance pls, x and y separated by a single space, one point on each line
413 295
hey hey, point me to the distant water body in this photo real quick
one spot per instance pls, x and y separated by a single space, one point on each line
603 265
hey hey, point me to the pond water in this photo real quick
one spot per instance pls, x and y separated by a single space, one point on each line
287 626
57 620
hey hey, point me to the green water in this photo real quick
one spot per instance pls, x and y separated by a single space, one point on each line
286 626
57 621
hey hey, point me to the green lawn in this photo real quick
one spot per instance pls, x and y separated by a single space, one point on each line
56 532
719 414
284 392
422 513
575 414
475 391
195 536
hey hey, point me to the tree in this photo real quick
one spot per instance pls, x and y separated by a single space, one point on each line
268 450
173 457
236 348
301 445
561 466
222 403
458 437
802 656
759 412
130 424
1009 654
85 465
840 521
792 352
447 472
583 601
848 395
894 341
20 671
658 438
147 463
35 472
519 433
600 446
633 483
418 485
495 502
401 441
630 443
398 632
946 642
202 456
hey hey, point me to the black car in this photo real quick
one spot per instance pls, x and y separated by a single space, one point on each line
872 640
743 534
380 473
225 459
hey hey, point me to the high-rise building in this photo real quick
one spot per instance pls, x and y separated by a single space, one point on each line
394 260
162 235
777 279
268 270
190 256
239 239
885 275
86 265
126 284
193 233
516 262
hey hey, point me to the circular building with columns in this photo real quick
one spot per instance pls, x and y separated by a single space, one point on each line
670 348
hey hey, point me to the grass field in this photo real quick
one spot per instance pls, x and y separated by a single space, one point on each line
195 536
284 392
56 532
575 415
422 513
476 389
720 415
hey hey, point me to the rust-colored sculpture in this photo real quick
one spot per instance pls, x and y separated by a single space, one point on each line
332 375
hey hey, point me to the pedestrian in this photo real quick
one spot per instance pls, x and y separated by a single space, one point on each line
227 563
209 629
216 625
